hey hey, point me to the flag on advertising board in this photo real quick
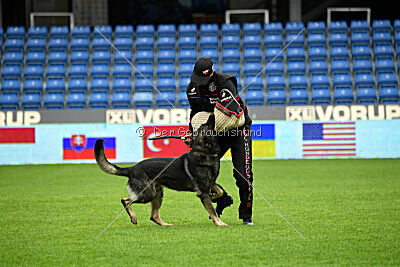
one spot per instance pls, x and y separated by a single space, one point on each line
81 147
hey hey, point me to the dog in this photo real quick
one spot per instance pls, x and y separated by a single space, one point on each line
195 171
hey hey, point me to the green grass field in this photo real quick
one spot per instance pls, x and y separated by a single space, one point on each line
348 211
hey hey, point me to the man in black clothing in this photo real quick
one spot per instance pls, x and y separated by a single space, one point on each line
203 92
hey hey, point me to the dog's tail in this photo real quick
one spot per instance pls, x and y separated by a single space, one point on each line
104 164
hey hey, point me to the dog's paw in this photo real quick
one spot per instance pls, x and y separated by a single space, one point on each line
133 221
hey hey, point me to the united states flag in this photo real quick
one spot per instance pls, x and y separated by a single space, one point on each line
334 139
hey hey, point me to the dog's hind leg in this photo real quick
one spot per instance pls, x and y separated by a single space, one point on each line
155 207
126 202
206 200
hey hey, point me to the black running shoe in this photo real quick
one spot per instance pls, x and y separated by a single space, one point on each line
248 221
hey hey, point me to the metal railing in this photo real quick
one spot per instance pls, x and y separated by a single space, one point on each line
228 13
53 14
347 9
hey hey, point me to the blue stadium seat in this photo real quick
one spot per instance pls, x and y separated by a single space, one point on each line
53 101
359 26
183 102
208 42
120 100
397 38
253 82
340 66
15 32
101 56
230 55
361 38
230 29
320 96
145 30
298 81
343 96
342 80
77 84
382 38
361 51
37 32
362 65
77 70
1 33
13 57
165 99
396 25
9 102
252 68
318 66
58 44
211 53
166 30
385 65
185 69
340 52
317 52
298 97
122 70
124 31
364 80
320 81
231 41
79 56
59 32
144 55
11 71
387 79
251 41
11 86
76 100
144 69
166 84
31 101
14 44
209 29
274 68
384 51
295 53
101 43
122 84
232 68
33 70
33 85
381 26
274 54
389 95
143 85
294 40
55 85
122 56
166 70
316 27
81 31
79 43
100 70
239 83
184 82
144 43
187 42
58 57
36 44
273 40
102 31
187 30
294 27
296 67
187 55
254 98
98 100
276 82
338 39
166 56
99 84
55 70
35 57
166 42
252 54
366 95
338 27
143 100
251 28
316 39
276 97
273 28
123 43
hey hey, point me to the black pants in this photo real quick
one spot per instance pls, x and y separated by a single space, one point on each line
239 141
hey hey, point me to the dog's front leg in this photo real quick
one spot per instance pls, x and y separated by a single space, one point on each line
206 200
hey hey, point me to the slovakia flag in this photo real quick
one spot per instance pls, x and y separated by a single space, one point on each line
81 147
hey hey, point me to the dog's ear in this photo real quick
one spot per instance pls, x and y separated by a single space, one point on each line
211 121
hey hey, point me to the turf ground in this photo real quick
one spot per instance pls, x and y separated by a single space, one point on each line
348 211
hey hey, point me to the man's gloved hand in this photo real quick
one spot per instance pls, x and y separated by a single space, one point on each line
188 139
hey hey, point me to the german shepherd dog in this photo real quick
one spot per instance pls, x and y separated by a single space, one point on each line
195 171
